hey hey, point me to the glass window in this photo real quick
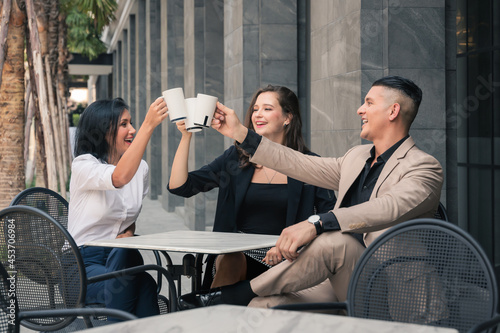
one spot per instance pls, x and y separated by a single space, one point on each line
496 226
463 203
480 113
479 24
495 81
462 110
496 23
461 26
480 207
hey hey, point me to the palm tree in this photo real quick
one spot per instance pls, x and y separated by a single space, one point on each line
47 54
12 102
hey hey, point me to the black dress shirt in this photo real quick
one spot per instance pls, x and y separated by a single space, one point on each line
362 188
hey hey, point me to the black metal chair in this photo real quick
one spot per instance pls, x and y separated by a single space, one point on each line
10 317
423 271
46 200
49 268
441 213
57 207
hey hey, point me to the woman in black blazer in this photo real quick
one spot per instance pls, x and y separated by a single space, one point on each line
253 198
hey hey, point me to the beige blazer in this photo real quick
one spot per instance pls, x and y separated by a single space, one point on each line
408 187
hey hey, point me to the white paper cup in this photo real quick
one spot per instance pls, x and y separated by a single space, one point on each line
191 111
205 109
175 104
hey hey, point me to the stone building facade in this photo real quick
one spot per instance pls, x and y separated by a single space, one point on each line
329 52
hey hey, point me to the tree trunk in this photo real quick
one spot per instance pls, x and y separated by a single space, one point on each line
12 179
4 28
41 88
31 161
62 86
55 126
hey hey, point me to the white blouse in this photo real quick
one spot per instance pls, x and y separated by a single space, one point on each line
98 210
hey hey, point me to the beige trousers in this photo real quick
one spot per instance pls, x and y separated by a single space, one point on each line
330 256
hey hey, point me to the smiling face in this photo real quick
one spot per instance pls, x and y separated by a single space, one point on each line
267 118
375 112
124 136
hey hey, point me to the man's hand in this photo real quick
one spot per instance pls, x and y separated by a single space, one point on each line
226 122
293 237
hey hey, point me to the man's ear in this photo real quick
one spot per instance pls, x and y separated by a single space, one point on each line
395 109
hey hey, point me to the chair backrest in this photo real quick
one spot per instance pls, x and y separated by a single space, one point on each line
424 271
46 263
44 199
441 213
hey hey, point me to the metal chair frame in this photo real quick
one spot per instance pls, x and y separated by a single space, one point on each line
70 248
363 308
38 196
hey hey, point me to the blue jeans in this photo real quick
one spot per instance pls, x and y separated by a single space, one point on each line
134 293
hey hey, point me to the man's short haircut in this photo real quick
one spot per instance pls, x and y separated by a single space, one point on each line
406 88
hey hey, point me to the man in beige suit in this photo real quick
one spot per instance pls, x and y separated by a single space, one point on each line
378 186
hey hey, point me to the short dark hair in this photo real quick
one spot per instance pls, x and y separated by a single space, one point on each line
289 103
97 122
407 88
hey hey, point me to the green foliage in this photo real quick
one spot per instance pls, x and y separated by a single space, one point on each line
86 19
76 118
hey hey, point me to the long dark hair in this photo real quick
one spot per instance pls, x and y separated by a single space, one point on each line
98 122
293 131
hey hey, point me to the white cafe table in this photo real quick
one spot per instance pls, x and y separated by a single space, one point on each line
232 318
189 241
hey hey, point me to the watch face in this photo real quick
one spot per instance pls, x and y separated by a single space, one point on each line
313 218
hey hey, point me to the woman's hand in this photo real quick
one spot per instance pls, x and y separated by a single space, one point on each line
157 112
129 232
273 257
227 123
181 126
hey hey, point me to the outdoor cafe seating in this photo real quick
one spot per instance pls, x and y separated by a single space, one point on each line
48 267
423 271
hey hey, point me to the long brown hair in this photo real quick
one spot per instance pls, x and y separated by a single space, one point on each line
293 131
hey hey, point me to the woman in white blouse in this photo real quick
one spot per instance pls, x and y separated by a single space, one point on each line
109 179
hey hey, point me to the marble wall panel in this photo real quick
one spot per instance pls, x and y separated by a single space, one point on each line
278 41
417 3
334 144
125 67
320 13
282 72
319 53
250 12
417 38
278 11
320 117
347 93
189 49
132 80
233 47
251 78
251 43
233 15
336 50
432 111
372 39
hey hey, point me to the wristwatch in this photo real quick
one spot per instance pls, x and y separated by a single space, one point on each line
315 219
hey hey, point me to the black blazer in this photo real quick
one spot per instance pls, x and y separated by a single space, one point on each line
304 200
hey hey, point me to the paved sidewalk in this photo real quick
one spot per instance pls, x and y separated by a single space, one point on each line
154 219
